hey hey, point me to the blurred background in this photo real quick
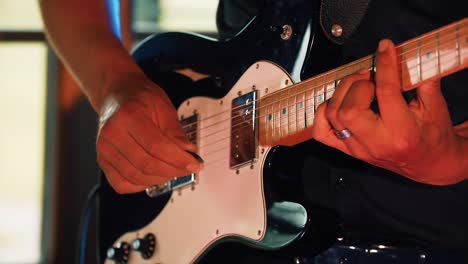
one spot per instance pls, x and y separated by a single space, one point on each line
47 128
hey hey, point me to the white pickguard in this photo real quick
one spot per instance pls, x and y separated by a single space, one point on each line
221 203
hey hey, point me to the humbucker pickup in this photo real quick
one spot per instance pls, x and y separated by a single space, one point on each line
243 130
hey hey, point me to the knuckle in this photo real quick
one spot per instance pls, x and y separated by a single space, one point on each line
331 111
155 147
147 167
129 174
135 177
403 146
331 116
348 114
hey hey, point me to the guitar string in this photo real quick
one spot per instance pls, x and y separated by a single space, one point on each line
414 67
370 58
296 102
275 110
208 162
277 128
343 67
307 101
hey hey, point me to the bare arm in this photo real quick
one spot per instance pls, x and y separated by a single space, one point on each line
82 36
142 143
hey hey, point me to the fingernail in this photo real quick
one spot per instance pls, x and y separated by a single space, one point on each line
383 45
195 155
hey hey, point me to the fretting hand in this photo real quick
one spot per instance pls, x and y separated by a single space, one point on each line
416 140
141 143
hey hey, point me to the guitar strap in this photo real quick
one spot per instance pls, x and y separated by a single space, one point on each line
340 18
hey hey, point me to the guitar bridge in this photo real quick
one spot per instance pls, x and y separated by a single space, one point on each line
177 183
190 127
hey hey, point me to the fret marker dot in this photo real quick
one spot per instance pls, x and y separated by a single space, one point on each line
284 111
428 55
270 117
301 105
320 98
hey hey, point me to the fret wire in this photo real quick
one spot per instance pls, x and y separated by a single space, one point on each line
419 69
287 114
438 56
458 44
438 52
403 73
443 29
314 101
295 105
266 121
305 105
324 86
279 113
336 81
329 90
454 58
272 120
318 95
278 110
451 54
449 38
282 115
372 63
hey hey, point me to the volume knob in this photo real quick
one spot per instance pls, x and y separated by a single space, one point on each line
146 246
120 253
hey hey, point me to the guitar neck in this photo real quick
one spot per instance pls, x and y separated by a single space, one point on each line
286 115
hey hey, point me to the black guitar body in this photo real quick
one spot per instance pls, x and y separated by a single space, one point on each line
225 61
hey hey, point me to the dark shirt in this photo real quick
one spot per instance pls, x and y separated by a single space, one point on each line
375 202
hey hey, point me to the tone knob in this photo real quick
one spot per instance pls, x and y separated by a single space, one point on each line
120 253
146 246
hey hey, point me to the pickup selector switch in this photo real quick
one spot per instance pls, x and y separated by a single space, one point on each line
120 253
146 246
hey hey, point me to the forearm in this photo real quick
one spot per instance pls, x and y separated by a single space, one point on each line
81 34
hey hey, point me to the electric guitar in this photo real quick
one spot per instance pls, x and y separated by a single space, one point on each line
237 133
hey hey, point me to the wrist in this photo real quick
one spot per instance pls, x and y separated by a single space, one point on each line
112 65
117 83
